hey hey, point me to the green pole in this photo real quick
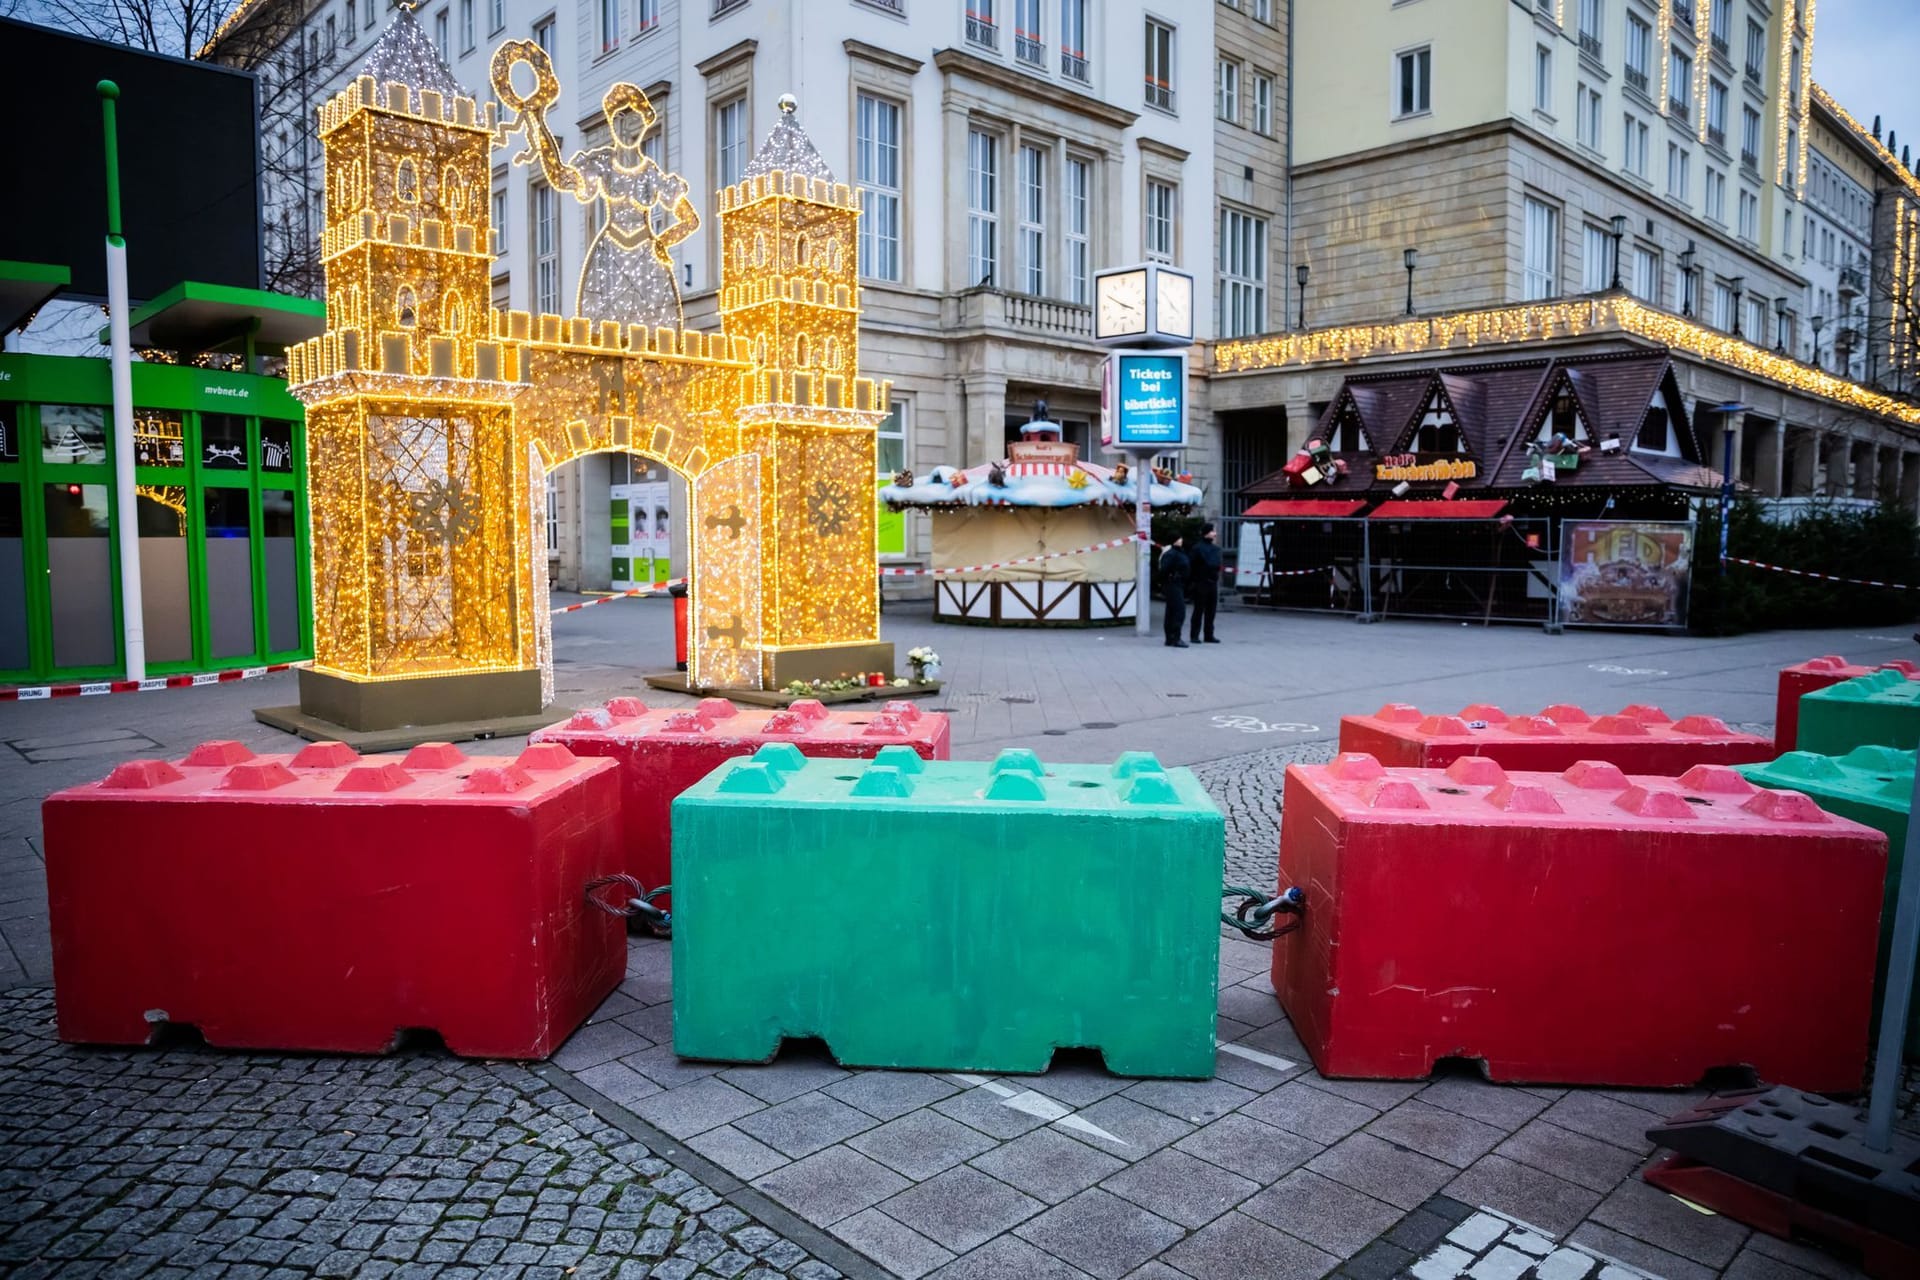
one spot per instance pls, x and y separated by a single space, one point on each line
109 92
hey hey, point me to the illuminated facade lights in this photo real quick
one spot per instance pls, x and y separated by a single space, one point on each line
432 419
1534 322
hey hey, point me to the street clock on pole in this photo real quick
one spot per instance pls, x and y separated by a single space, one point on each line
1143 306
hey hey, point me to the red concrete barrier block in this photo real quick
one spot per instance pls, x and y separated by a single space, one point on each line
1817 673
663 752
1584 927
1638 738
327 901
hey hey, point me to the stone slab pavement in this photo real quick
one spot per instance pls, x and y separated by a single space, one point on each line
187 1161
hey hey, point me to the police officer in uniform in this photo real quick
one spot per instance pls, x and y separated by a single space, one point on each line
1175 569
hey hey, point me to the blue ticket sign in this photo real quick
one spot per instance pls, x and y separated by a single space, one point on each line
1145 400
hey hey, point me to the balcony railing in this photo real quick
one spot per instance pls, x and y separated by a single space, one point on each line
721 7
1029 50
1029 313
1753 74
1852 281
1074 66
1683 12
1590 44
1636 79
1718 137
1748 160
891 6
1679 108
1719 44
1159 94
982 31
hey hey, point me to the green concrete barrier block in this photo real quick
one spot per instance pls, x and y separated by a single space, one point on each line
1878 709
949 915
1871 785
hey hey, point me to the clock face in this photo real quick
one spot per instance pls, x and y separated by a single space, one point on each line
1121 307
1174 314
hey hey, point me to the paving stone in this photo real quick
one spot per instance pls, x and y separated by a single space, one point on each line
1141 1130
1194 1101
961 1208
1605 1118
1799 1255
922 1144
1479 1231
898 1248
830 1185
1501 1263
787 1077
1444 1263
1432 1131
1502 1106
1381 1095
1249 1147
735 1152
1047 1164
617 1081
988 1112
1382 1170
1312 1113
1180 1187
668 1069
1565 1264
1075 1083
1596 1165
1322 1212
803 1125
1235 1246
1608 1243
1102 1234
1539 1199
1749 1265
1009 1258
888 1095
696 1107
599 1042
1651 1215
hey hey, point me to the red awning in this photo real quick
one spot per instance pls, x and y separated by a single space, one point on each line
1440 509
1267 508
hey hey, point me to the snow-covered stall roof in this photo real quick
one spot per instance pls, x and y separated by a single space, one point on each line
1035 484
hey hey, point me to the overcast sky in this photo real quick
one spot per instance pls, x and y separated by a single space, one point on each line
1864 54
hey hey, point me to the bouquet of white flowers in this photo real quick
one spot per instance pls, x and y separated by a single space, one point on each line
925 663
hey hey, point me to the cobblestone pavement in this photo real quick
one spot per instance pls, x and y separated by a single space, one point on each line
188 1162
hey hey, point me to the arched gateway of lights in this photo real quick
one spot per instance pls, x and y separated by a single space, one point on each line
432 419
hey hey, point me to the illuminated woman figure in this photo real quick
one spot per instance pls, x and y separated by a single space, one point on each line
628 274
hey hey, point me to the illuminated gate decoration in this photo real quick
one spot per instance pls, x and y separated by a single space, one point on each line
431 417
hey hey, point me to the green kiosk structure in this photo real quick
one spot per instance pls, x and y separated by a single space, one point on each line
220 490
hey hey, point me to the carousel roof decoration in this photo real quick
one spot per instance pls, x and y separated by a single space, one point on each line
787 149
405 55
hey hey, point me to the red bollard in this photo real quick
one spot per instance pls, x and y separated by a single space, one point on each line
1817 673
682 607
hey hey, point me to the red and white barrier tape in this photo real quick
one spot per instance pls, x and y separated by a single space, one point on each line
92 688
1004 564
1824 577
652 588
1280 573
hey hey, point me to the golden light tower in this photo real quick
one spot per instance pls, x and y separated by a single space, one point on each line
432 419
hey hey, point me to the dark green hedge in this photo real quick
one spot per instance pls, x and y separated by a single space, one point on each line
1881 542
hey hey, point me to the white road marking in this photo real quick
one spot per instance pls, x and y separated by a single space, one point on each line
1254 1055
1027 1102
1253 724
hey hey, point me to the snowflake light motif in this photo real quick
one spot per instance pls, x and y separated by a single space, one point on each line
827 507
446 510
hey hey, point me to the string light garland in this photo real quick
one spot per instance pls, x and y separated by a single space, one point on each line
1534 322
433 419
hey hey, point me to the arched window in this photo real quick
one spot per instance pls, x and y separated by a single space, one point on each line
759 250
802 250
760 350
831 353
833 256
403 305
802 353
453 191
454 314
406 183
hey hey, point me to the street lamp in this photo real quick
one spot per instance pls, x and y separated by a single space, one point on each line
1619 233
1817 321
1738 285
1686 280
1412 258
1300 274
1780 325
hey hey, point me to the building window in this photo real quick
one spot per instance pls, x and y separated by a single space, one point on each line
440 34
1073 40
546 251
333 35
654 145
1262 103
1716 113
1263 10
1226 91
1646 275
1243 274
1028 45
496 15
499 221
646 16
1722 306
466 26
1639 51
890 440
1679 84
543 35
1542 79
1592 15
1079 193
1635 143
352 8
1596 259
1756 49
1033 219
1749 227
1716 195
1587 115
983 207
1541 278
1756 320
608 20
730 140
982 27
1678 161
1159 65
1412 82
1749 138
1163 199
876 165
553 515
